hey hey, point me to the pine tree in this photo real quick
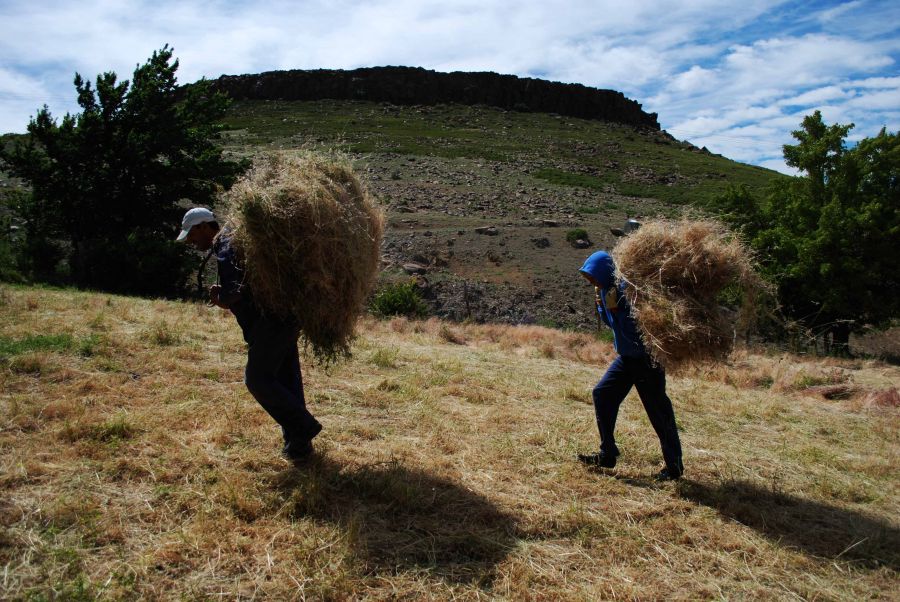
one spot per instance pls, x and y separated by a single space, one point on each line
108 184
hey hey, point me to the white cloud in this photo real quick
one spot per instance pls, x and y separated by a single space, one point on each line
882 100
871 20
819 95
19 85
806 61
779 165
832 14
699 124
695 78
878 82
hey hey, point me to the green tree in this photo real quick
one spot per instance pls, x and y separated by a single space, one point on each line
107 184
830 239
740 209
820 152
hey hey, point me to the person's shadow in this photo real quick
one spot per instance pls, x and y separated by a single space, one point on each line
401 518
813 527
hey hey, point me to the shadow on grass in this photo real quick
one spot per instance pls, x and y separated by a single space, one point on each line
648 482
401 518
813 527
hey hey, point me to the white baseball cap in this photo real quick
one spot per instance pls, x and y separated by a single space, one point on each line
197 215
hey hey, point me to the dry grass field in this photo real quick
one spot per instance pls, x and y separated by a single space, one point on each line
134 464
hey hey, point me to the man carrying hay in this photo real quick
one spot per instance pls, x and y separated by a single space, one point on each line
632 367
272 374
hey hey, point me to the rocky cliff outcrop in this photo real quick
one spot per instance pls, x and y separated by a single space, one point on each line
417 86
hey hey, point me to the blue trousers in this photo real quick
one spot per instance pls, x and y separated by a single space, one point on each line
273 377
650 382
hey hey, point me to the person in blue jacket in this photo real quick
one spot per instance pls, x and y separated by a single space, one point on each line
632 368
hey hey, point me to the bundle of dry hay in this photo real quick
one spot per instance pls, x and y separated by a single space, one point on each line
309 234
674 274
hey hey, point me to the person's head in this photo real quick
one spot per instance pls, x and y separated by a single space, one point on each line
599 269
199 228
590 278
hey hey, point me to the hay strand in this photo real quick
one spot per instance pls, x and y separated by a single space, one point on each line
310 237
675 275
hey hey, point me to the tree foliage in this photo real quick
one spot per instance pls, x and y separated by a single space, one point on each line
830 239
107 184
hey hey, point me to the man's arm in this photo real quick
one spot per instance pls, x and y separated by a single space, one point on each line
228 291
601 309
226 301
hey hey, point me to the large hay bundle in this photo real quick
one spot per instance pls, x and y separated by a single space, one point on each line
310 237
675 273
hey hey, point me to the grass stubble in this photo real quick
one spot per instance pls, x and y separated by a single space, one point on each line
143 468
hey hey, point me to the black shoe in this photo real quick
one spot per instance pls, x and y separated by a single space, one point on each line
601 459
311 433
297 452
667 474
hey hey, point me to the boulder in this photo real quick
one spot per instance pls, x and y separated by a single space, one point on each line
415 268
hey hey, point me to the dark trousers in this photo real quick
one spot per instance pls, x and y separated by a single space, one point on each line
273 377
650 382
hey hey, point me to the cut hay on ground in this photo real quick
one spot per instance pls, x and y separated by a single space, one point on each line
675 274
310 235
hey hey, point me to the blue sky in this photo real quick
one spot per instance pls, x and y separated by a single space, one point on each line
735 77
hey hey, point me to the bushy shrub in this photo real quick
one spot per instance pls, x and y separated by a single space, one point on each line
399 299
576 234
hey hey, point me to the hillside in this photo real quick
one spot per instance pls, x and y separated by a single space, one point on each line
444 171
135 465
484 176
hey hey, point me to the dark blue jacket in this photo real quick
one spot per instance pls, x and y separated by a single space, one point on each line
613 306
231 279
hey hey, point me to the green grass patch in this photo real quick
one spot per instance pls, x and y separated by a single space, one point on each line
113 430
605 335
385 358
676 195
84 346
564 178
37 342
162 333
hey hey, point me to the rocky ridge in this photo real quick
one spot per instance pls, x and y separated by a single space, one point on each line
418 86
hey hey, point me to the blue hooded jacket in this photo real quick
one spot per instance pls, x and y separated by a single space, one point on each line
613 307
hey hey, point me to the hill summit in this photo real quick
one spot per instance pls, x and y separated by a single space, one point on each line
418 86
